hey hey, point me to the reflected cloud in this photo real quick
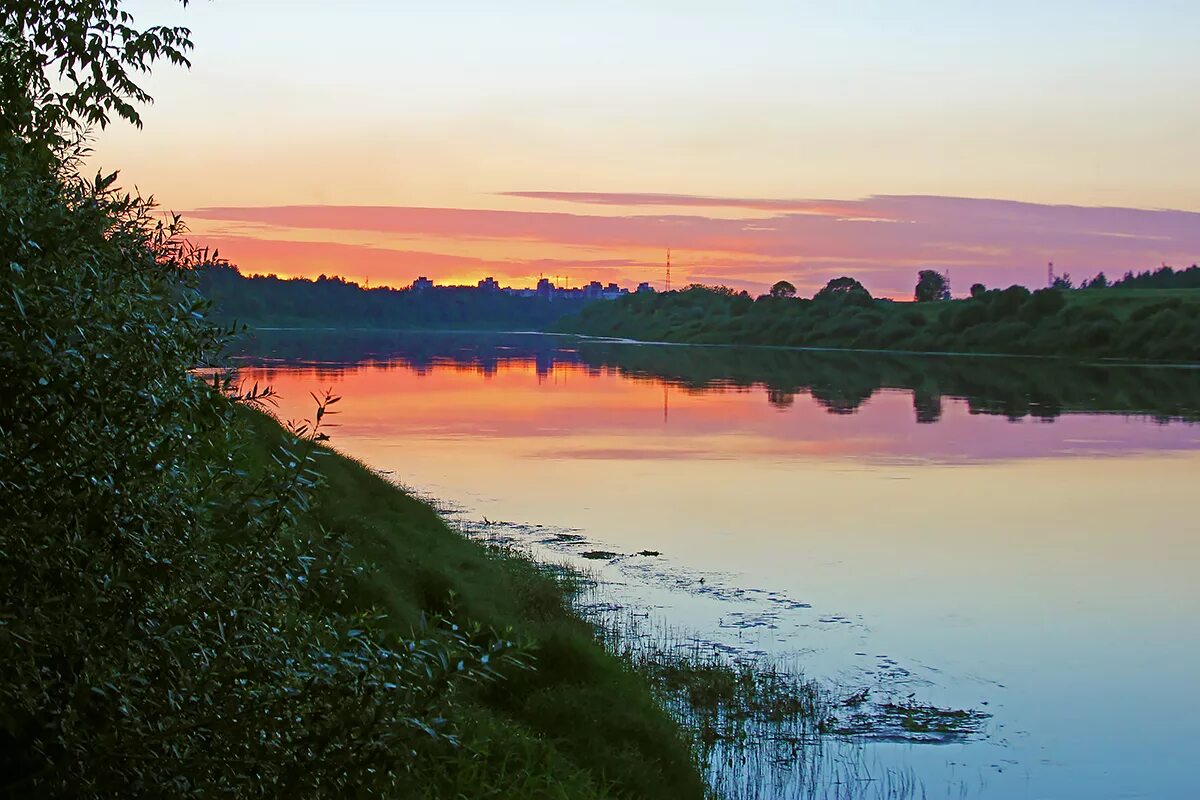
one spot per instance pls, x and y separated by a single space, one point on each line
609 401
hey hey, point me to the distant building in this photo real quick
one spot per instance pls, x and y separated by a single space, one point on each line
545 289
612 292
645 286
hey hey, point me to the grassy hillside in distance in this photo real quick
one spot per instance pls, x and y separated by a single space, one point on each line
578 725
1136 324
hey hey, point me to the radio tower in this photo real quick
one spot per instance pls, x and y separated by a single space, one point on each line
1050 274
668 269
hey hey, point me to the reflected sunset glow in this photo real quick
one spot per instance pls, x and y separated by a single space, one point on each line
1004 534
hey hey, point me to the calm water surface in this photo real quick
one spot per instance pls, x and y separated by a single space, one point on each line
1017 537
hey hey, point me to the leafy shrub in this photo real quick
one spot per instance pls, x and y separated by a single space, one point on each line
1043 303
845 291
1007 302
1009 337
162 626
1147 311
970 314
165 628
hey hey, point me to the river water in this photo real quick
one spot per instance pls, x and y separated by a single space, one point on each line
1012 536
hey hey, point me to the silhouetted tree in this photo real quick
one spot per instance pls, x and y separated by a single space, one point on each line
1062 281
783 289
845 289
1163 278
931 285
978 290
68 65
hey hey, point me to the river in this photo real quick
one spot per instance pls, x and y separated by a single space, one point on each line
1013 536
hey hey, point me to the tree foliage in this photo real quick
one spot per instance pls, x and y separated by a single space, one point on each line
1164 277
783 289
166 626
334 301
69 64
845 290
931 285
1014 320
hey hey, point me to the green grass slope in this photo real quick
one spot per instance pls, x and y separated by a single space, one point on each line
578 725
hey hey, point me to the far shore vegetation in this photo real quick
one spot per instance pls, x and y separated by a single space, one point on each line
1151 317
333 301
1147 316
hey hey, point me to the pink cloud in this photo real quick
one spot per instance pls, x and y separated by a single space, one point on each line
830 208
882 239
385 266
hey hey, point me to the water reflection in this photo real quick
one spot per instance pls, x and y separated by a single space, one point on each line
841 383
1012 532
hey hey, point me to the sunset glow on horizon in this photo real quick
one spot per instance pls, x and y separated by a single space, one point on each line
797 141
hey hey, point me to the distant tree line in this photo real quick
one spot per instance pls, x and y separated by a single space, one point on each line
1162 278
1052 321
336 302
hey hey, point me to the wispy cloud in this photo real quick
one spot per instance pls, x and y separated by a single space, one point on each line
830 208
882 239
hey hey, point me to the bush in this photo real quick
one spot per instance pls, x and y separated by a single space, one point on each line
968 315
1147 311
1008 302
844 291
1043 303
165 627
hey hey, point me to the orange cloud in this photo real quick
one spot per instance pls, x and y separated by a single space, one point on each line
882 239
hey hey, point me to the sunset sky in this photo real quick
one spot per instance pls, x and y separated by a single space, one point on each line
758 140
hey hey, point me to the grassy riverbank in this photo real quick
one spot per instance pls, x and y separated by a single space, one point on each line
1139 324
579 724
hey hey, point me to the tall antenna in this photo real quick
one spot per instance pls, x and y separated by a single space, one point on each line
1050 274
668 269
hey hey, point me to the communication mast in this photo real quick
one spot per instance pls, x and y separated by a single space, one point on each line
1050 275
668 269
